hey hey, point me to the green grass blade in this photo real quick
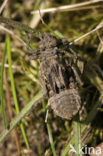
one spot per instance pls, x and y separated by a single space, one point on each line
49 132
13 89
1 90
92 113
68 148
77 137
51 139
19 117
84 125
75 141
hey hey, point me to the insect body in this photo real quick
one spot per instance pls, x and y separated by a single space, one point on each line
57 78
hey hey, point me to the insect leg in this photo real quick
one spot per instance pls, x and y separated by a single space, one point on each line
35 104
67 46
73 52
69 55
28 46
43 85
73 55
77 74
78 57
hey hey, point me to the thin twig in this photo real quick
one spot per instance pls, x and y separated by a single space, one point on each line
94 30
13 66
66 7
99 38
83 8
11 33
36 18
18 25
3 5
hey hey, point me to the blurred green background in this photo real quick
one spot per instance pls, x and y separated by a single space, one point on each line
70 23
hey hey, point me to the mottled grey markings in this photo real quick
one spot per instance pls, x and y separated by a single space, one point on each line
58 76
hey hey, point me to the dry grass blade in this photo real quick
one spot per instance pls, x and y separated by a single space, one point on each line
85 35
67 7
3 5
11 33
